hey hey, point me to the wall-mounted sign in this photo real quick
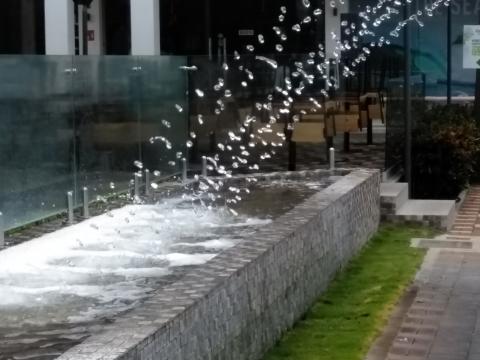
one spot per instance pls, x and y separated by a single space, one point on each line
471 47
246 32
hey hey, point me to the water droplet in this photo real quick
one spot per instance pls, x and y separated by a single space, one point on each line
261 39
166 124
189 144
279 47
250 48
179 108
138 164
200 93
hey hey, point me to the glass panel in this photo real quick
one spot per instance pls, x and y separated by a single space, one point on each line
395 118
36 137
106 120
163 111
70 122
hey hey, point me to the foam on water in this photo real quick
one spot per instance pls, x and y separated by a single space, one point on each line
107 260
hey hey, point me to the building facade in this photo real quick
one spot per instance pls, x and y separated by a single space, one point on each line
150 27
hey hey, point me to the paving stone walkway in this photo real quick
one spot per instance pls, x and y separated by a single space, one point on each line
441 321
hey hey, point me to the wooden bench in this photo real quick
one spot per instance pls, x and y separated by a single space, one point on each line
346 123
304 132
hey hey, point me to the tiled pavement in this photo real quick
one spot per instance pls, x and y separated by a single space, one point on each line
442 322
313 156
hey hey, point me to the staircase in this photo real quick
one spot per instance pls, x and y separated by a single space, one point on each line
396 207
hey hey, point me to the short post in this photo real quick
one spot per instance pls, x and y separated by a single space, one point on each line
136 186
2 231
346 142
184 170
147 182
70 207
204 167
328 145
86 200
332 159
292 155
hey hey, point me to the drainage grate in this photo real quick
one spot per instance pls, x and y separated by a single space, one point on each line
445 244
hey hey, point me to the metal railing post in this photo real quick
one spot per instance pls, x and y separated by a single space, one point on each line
184 170
147 182
70 207
86 200
332 159
136 186
204 166
2 231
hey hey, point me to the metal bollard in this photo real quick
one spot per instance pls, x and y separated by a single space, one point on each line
86 200
184 170
204 166
147 182
70 207
332 159
136 189
2 231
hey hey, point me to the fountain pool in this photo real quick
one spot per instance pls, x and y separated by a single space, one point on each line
62 287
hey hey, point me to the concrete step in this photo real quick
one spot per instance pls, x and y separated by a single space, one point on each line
439 214
392 197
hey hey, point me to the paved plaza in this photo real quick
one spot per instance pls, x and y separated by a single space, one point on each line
439 317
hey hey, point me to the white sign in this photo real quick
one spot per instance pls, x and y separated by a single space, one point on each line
471 47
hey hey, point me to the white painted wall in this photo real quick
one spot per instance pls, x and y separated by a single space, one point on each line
59 27
97 46
332 23
145 23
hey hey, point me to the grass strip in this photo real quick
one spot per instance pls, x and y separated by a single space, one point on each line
346 320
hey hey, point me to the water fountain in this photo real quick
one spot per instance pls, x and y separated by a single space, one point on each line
234 250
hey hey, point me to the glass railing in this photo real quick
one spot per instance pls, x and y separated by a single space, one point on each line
70 122
395 137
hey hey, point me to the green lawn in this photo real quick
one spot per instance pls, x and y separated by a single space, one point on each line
347 318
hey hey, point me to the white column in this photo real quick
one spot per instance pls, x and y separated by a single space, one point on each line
145 23
95 29
59 27
332 23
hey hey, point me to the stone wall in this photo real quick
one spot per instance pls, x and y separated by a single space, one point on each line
240 303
